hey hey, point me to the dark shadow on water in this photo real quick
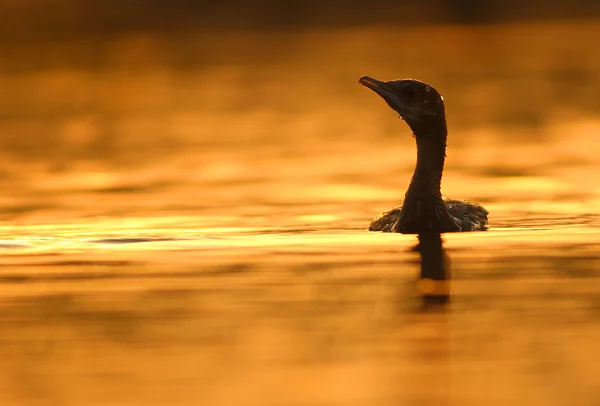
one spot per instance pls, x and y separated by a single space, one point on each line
133 240
435 275
13 246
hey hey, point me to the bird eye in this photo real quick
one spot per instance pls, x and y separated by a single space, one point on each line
409 91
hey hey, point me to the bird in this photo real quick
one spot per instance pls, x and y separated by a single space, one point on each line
424 210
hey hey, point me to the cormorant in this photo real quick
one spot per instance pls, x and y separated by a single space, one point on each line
422 108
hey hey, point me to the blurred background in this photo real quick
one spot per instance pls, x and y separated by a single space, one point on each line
185 190
105 104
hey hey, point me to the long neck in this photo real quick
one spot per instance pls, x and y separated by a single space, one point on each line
424 209
431 154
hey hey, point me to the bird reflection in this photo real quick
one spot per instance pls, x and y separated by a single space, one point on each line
434 280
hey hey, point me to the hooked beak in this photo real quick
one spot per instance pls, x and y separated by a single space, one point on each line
385 92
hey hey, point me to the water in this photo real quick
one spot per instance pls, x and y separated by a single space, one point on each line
185 223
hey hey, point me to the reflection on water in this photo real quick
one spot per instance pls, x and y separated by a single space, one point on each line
435 276
191 234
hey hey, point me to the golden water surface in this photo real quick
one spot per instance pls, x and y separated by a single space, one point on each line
183 220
